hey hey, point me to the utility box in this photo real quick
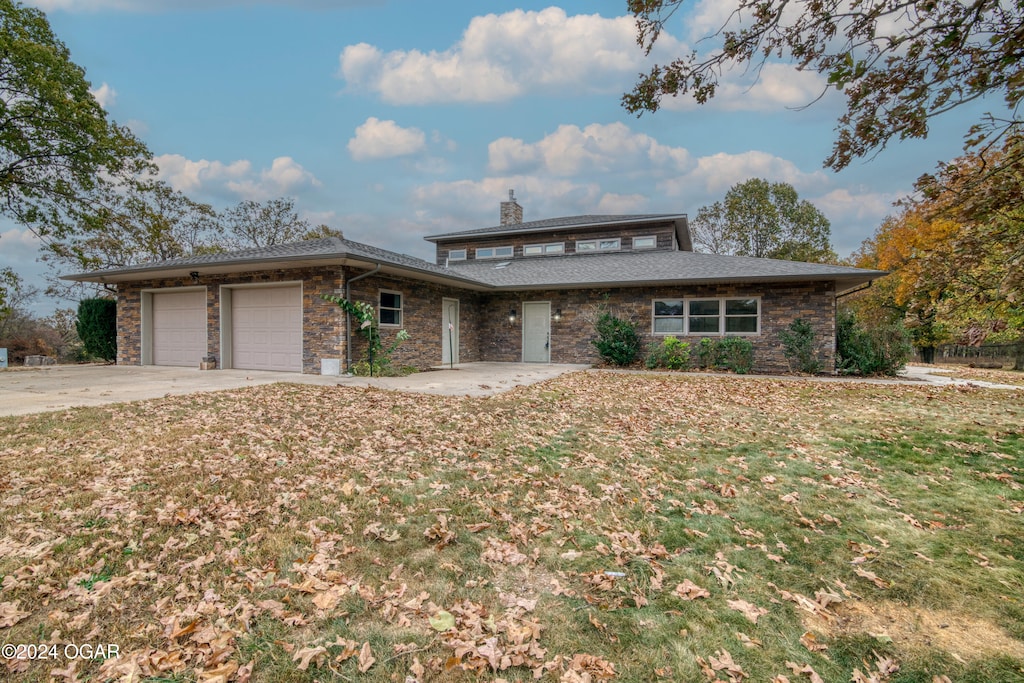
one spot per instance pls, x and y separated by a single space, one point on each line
3 358
330 366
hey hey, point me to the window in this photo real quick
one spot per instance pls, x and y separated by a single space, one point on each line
647 242
390 308
668 316
457 255
544 249
598 245
494 252
705 317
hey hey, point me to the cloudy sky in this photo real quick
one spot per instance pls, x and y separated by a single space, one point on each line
395 119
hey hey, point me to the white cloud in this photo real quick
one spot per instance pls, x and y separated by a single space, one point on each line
595 148
284 177
105 95
715 174
376 139
503 56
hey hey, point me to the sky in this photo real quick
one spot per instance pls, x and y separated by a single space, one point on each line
395 119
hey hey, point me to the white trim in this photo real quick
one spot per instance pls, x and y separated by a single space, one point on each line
494 252
452 254
722 317
595 245
653 238
545 249
400 309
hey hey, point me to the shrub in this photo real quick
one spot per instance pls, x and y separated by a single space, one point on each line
880 350
671 354
707 354
736 354
97 327
376 359
617 340
798 347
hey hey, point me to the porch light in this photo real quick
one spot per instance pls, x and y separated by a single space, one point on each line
558 314
194 275
512 314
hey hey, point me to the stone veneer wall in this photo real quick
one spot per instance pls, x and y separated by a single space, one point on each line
665 234
781 304
323 324
421 318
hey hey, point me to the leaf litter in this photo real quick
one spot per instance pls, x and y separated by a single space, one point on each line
546 533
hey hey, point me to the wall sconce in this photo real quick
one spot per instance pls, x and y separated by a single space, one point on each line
558 314
194 275
512 314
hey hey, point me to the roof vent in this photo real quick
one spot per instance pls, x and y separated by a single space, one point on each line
503 264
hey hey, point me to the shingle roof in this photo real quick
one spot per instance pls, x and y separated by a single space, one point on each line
649 267
558 223
543 272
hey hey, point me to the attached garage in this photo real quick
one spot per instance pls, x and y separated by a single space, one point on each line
266 328
178 328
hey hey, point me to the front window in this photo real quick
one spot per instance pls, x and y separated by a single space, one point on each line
706 317
390 308
457 255
494 252
611 244
648 242
543 249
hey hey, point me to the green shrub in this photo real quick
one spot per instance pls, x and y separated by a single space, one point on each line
880 350
798 347
671 354
97 328
707 354
617 340
736 354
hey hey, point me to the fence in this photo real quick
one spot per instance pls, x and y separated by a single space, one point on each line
989 355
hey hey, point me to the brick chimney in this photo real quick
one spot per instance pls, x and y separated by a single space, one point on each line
511 212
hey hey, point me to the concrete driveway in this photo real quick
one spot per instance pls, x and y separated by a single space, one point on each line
36 390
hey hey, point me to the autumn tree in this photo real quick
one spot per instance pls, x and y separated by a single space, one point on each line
251 224
899 64
766 220
59 154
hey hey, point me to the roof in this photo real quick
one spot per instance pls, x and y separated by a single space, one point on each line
589 222
636 268
575 271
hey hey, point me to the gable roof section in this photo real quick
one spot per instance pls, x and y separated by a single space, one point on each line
589 222
620 269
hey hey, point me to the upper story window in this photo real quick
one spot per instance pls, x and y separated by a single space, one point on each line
390 308
610 244
544 249
494 252
457 255
706 316
645 242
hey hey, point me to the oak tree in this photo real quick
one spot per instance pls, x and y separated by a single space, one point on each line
899 63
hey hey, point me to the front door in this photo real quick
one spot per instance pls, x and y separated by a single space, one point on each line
449 331
537 332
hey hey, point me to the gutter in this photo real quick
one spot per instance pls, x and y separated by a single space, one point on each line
348 318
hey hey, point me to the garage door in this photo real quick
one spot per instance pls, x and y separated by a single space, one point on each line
266 328
179 328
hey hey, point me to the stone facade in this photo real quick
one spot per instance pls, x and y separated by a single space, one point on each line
322 322
485 332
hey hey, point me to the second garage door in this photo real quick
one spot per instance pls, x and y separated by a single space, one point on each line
266 328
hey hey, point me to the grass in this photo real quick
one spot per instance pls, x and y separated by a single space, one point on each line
301 533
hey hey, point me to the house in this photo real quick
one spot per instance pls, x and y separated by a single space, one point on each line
516 292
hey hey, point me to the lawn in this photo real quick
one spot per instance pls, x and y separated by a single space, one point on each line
595 527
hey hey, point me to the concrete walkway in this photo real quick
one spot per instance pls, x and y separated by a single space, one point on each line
56 387
922 373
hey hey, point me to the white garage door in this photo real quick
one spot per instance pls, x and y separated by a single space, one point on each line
179 328
266 328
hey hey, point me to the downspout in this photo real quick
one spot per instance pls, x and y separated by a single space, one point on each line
348 318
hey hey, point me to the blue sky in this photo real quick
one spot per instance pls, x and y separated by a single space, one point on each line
391 120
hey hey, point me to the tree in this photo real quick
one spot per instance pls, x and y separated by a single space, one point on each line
147 221
97 327
14 294
899 63
766 220
251 224
59 155
58 151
